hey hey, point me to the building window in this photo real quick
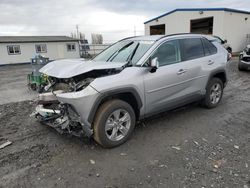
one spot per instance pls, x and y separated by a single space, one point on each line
41 48
71 47
14 50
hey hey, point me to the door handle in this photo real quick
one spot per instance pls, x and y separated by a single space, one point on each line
181 71
210 62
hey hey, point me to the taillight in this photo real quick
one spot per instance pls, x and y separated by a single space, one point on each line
229 56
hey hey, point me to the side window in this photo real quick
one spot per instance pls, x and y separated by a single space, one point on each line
191 48
209 48
205 46
168 53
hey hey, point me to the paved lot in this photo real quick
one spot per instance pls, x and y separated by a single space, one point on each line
188 147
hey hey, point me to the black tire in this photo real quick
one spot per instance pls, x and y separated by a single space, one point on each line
241 67
207 100
102 115
39 89
33 86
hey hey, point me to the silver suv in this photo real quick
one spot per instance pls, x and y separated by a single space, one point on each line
134 78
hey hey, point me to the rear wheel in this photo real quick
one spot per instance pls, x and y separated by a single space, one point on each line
214 93
114 123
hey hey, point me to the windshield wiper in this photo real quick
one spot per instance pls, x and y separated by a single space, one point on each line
116 53
129 60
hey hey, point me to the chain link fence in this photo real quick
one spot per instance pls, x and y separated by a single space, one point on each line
91 50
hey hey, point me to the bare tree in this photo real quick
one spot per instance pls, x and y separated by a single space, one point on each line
82 36
97 38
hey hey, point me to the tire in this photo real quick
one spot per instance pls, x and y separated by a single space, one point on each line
107 122
33 86
207 101
39 89
241 67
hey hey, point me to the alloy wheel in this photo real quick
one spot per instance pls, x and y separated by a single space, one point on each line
117 125
215 94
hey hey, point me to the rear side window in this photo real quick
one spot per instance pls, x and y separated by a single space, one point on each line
192 48
209 48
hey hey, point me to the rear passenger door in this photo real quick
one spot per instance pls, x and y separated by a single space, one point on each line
211 55
195 62
172 83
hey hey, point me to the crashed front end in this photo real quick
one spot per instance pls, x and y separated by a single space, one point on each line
66 103
245 56
66 110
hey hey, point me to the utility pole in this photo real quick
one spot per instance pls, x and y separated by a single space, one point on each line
77 32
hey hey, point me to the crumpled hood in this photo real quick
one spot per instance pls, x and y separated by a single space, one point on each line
68 68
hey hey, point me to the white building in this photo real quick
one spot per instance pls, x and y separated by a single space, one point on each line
230 24
20 49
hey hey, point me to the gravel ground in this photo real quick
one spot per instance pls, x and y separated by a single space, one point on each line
188 147
13 82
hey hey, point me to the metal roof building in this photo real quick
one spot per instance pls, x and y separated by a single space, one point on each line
230 24
7 39
20 49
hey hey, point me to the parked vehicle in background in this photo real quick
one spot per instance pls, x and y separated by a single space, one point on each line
224 43
244 59
134 78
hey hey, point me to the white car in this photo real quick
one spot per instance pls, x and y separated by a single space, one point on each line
244 61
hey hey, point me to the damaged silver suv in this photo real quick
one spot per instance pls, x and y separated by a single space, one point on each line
134 78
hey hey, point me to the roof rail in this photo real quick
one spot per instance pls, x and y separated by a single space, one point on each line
177 34
130 38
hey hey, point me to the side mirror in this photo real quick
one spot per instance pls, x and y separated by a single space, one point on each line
154 64
225 41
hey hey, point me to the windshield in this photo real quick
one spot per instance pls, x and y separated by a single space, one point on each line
125 51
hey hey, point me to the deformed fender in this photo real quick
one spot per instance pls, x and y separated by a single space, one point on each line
112 93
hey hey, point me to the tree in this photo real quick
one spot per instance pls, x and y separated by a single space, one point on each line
97 38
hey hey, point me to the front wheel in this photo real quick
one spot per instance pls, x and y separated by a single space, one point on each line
214 93
240 67
114 123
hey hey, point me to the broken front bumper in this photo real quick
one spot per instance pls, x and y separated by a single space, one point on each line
245 60
64 119
61 115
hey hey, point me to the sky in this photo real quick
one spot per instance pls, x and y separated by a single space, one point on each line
114 19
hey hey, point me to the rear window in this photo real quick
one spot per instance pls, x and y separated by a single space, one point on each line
192 48
209 48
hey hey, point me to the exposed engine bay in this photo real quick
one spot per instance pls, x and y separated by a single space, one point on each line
63 117
245 55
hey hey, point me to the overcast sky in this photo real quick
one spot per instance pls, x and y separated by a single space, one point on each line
114 19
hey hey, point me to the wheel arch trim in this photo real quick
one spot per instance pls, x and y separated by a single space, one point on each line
111 93
219 71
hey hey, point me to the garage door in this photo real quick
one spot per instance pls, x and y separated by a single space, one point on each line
157 29
202 26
